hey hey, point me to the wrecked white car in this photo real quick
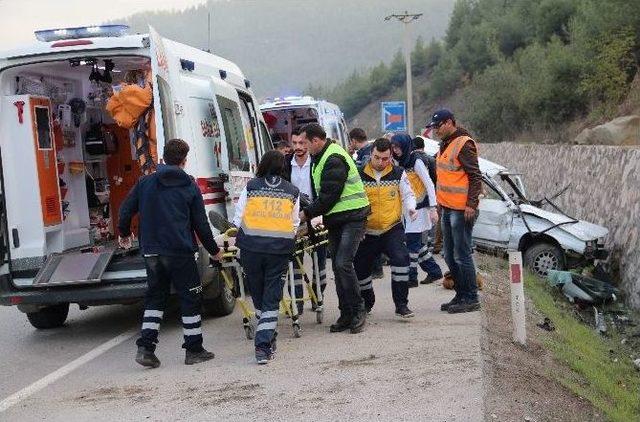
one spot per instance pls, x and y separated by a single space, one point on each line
508 220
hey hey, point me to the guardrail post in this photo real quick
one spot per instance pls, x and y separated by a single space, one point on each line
518 311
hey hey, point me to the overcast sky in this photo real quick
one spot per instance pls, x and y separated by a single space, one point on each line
19 18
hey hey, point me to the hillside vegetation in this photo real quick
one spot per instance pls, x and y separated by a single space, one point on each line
512 66
283 45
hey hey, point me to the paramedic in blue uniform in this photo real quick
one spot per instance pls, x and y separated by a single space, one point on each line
297 170
171 211
267 214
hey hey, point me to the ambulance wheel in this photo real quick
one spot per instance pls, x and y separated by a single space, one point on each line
249 332
222 305
49 317
297 331
319 317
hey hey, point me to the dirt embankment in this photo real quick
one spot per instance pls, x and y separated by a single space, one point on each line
520 383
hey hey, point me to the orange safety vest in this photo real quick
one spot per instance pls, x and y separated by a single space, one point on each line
452 186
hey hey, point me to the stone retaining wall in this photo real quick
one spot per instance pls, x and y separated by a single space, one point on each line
605 189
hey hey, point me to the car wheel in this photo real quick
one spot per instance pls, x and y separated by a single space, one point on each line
49 317
542 257
223 304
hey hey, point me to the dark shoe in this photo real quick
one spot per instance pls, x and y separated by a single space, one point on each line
274 342
147 358
404 312
358 322
263 356
429 279
191 358
413 283
377 274
464 306
445 306
343 323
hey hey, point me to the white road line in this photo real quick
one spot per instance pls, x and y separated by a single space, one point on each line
64 371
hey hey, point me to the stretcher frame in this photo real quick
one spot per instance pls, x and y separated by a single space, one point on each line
305 243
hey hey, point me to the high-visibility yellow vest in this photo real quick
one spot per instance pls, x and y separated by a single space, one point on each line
353 196
267 222
385 198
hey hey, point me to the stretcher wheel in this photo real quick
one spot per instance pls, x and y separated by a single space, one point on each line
319 316
297 331
249 332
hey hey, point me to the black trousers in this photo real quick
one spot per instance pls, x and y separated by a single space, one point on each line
181 272
343 244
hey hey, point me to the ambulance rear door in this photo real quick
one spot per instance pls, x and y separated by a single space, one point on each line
166 83
238 158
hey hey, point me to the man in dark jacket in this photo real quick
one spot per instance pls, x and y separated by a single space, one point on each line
359 144
341 200
172 213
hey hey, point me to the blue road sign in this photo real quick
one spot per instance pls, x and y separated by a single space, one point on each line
394 116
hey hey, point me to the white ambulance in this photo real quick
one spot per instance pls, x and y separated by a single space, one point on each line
282 115
66 165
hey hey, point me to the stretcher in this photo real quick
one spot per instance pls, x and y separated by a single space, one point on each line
308 240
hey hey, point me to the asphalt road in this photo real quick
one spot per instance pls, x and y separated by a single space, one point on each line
428 368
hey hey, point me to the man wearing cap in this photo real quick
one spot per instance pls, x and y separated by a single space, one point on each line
459 183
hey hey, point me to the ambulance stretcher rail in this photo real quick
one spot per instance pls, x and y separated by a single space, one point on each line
230 265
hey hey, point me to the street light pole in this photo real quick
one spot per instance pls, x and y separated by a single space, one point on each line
406 18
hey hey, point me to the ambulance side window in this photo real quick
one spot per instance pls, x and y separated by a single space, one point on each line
168 122
250 120
266 139
343 131
234 132
335 132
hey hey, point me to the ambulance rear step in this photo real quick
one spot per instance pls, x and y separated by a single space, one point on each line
74 268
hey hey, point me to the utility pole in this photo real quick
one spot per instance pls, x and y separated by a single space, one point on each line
208 30
406 18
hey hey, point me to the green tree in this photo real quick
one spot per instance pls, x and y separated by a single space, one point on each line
611 70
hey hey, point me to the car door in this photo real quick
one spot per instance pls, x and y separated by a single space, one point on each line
495 217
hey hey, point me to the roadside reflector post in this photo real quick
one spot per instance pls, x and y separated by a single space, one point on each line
517 297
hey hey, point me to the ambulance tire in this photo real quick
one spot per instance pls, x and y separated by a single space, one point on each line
49 317
223 304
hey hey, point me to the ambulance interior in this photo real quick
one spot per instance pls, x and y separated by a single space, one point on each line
281 122
85 162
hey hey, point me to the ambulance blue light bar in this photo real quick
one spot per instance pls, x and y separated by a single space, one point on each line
48 35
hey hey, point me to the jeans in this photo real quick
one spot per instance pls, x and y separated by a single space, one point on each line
264 274
162 273
458 253
343 244
393 244
420 255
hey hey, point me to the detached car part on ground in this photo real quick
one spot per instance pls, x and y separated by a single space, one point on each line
507 220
